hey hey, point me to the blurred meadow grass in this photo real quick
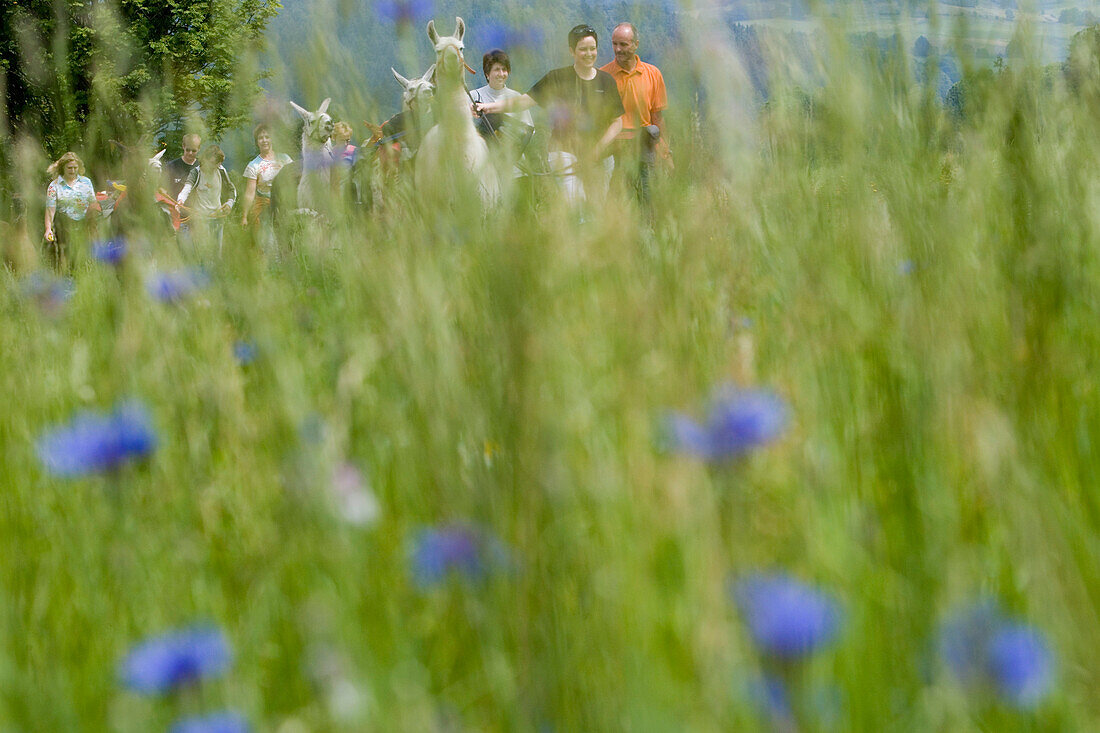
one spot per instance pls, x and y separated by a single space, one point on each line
921 291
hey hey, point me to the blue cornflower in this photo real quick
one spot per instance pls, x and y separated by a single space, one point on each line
738 421
166 662
244 352
786 618
404 12
982 646
1021 664
454 548
171 287
509 38
109 251
95 442
225 722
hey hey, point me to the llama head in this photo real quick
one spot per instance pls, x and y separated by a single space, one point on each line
449 49
418 93
318 127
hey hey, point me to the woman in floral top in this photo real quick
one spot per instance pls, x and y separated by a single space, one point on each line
259 174
70 198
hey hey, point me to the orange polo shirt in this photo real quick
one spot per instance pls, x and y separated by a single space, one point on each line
643 93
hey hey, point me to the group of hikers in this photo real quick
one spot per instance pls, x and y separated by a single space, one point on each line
600 120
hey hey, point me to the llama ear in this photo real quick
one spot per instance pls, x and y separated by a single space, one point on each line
400 79
303 113
324 106
460 28
429 75
432 35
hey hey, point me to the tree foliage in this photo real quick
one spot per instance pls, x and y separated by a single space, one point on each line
134 67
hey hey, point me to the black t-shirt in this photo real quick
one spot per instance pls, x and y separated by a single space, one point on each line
580 111
175 175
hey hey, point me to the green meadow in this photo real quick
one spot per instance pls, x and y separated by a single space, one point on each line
920 287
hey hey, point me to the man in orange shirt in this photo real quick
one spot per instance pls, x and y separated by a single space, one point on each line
642 88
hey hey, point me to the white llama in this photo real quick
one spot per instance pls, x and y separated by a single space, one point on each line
417 105
315 186
453 156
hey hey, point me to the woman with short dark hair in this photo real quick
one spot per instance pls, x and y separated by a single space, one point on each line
498 67
585 113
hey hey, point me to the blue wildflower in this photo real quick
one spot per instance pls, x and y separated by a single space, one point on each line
244 352
171 287
982 646
94 442
404 12
225 722
1021 664
166 662
454 548
109 251
786 618
738 421
906 267
509 38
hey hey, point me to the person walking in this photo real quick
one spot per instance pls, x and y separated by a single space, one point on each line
515 127
211 193
175 174
642 89
177 170
259 174
70 208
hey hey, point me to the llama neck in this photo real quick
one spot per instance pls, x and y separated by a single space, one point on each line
452 102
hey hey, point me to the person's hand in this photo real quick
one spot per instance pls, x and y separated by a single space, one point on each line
244 220
49 234
223 209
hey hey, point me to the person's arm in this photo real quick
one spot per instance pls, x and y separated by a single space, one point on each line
188 186
249 199
612 132
94 209
50 211
512 104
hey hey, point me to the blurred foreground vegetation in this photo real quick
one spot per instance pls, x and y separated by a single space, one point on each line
919 285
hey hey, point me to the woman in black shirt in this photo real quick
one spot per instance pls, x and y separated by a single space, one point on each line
585 113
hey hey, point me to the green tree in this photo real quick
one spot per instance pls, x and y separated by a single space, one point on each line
74 69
